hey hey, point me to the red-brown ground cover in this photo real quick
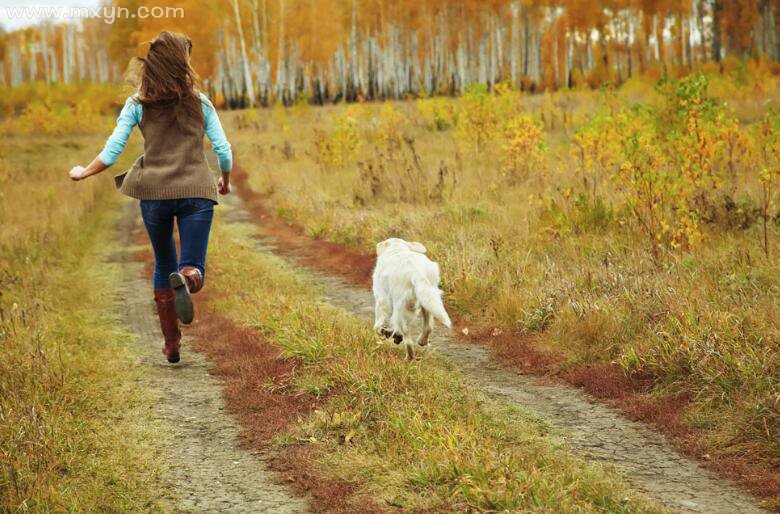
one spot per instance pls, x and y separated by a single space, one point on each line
246 364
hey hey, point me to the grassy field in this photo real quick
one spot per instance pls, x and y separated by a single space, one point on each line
75 430
414 436
74 427
636 228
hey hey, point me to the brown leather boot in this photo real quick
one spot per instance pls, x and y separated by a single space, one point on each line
165 300
185 283
193 277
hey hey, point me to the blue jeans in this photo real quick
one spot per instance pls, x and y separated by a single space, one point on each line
193 216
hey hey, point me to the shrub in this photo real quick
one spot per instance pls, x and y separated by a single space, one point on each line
105 98
696 145
478 122
340 146
439 113
652 187
56 109
249 118
769 144
390 127
523 148
596 148
738 151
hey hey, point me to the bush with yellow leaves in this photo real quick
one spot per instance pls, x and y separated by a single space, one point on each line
652 187
249 118
478 121
524 149
738 150
439 113
695 143
768 138
338 147
390 127
56 109
38 118
596 150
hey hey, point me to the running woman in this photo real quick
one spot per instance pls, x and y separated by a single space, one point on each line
172 179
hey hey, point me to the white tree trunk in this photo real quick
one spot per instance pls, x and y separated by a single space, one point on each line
483 58
514 51
45 52
247 75
656 42
80 57
32 50
535 57
259 52
104 64
354 79
65 55
493 51
281 63
16 64
556 56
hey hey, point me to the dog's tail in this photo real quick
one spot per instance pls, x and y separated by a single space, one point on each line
429 298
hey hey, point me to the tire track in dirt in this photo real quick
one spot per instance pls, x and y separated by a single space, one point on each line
641 455
207 471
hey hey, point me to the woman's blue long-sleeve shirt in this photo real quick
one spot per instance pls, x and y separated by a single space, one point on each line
131 116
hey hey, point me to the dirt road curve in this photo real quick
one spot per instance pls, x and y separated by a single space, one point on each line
207 470
643 456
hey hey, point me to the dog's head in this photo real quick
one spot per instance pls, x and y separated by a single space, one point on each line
395 242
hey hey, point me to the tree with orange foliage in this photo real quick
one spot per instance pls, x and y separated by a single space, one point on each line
328 50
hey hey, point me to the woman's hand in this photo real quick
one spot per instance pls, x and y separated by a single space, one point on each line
80 172
224 184
77 173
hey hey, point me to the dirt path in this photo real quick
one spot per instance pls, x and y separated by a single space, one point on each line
207 470
643 456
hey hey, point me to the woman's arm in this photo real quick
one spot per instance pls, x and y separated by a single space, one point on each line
93 168
219 143
128 118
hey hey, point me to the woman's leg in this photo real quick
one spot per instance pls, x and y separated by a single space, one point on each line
158 219
194 216
194 219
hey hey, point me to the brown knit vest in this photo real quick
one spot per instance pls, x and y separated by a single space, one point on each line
173 164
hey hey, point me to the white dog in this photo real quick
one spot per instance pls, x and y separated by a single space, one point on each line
406 282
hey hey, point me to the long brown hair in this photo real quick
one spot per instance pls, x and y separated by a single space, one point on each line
167 81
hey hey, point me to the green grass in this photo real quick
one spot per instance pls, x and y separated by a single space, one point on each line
416 436
74 426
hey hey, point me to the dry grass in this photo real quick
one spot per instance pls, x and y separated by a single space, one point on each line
415 436
73 424
541 257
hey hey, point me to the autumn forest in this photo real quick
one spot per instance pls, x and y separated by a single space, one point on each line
259 51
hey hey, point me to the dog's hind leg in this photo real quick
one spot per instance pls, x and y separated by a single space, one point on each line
398 321
427 327
382 311
410 351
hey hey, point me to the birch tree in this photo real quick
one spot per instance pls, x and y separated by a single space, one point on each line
348 50
247 75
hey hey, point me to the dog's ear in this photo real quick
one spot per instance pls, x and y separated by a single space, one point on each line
381 247
417 247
